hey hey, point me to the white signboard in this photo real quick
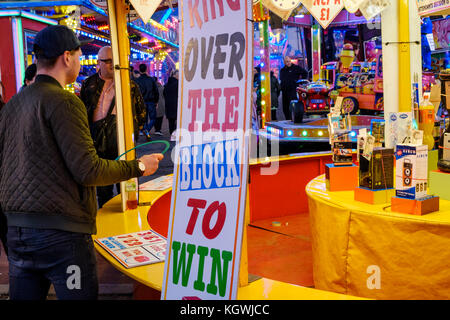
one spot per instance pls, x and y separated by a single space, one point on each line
211 155
324 11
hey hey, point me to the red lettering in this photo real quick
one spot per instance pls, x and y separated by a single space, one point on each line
221 215
231 116
211 109
195 204
205 10
234 5
214 207
325 14
193 13
213 8
337 2
194 98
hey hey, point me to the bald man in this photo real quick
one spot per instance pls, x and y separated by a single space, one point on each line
98 94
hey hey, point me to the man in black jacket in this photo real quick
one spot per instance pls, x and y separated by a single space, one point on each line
48 172
98 95
150 93
289 75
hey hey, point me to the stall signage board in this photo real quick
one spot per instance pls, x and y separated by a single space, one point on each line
324 11
426 7
211 155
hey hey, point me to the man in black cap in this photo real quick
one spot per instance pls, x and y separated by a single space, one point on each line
48 171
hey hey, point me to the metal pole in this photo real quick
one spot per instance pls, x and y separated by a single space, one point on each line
125 131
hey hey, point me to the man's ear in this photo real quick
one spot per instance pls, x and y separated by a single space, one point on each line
66 58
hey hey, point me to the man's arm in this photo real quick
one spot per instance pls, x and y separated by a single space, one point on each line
71 132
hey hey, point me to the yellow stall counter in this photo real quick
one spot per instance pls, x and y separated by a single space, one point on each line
111 222
368 251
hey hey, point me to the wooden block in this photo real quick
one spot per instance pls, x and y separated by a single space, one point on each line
416 207
370 196
439 182
341 178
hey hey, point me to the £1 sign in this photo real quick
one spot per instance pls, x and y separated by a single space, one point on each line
324 11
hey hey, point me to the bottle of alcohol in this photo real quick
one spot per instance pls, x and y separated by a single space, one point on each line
426 122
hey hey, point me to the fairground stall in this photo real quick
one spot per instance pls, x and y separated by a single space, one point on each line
367 218
352 222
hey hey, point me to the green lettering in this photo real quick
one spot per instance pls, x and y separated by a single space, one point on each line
181 267
217 268
199 284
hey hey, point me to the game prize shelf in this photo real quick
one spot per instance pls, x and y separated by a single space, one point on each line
154 214
368 251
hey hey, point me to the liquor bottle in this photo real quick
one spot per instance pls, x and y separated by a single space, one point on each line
426 122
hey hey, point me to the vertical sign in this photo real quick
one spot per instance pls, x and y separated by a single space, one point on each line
211 155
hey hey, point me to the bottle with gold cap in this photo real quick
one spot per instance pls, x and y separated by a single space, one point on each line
426 122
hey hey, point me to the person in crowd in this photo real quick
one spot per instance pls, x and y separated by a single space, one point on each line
275 90
30 75
160 108
98 94
136 75
49 167
171 101
150 94
289 75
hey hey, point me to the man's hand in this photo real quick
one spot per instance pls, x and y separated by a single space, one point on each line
151 162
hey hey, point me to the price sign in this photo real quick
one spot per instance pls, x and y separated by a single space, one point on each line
324 11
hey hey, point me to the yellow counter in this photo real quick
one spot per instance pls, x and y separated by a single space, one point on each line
368 251
110 222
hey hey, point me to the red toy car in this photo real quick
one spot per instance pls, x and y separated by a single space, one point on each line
312 99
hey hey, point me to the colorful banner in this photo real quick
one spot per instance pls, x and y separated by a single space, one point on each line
427 7
211 156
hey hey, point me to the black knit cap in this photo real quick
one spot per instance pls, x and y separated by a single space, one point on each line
53 41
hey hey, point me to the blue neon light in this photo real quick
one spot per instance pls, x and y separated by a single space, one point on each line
85 3
153 35
166 15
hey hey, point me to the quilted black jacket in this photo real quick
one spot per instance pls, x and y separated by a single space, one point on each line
48 164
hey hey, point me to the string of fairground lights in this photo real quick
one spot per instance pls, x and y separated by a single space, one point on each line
144 144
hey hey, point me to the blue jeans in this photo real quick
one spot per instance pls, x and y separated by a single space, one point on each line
40 257
151 116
